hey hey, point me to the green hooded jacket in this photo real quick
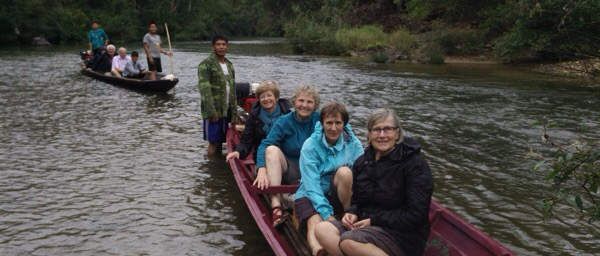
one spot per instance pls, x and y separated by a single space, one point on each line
212 86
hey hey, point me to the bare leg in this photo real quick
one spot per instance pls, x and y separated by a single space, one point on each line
275 163
212 149
353 248
116 73
328 236
311 223
343 184
152 75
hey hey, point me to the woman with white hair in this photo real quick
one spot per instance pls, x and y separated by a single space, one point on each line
103 62
391 193
278 155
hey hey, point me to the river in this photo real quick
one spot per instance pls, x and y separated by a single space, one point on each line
87 168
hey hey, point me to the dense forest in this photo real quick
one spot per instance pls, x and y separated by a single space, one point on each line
517 30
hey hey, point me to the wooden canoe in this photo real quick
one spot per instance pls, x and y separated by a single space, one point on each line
159 85
450 234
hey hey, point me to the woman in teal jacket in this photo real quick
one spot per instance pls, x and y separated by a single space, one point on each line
277 157
325 161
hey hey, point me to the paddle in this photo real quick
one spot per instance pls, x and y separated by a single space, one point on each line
170 76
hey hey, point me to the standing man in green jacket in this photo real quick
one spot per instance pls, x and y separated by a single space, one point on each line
217 93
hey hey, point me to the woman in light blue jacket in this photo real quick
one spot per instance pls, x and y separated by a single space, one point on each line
325 161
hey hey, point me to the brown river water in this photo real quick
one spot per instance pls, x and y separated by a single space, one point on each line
87 168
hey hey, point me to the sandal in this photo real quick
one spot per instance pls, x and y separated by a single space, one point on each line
277 216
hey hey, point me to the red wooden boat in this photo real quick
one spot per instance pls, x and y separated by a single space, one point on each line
450 234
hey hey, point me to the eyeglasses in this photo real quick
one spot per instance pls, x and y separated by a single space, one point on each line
385 130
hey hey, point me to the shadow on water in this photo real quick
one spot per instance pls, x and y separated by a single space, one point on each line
160 102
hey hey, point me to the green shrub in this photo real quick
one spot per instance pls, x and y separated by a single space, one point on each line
433 54
379 57
461 41
309 36
362 38
402 41
551 29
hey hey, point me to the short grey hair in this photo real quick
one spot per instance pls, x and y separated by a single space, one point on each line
309 90
110 46
380 115
122 48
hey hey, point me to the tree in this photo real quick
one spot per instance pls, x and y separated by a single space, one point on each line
574 172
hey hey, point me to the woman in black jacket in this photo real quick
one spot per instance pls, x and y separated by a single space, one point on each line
392 189
262 116
102 62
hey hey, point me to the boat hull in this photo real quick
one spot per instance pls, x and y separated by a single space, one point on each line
450 234
133 84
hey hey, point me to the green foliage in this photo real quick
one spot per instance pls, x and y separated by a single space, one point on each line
517 30
402 41
459 41
433 54
362 38
309 36
551 29
126 20
379 57
574 172
450 10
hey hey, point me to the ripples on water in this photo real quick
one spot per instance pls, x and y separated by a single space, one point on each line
88 168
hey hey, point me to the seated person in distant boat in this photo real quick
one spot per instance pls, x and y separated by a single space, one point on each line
263 115
119 62
103 61
278 155
134 68
391 193
325 162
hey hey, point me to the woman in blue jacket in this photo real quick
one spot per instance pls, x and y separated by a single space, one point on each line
263 115
278 154
325 162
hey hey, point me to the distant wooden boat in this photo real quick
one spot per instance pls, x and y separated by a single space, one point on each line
160 85
450 234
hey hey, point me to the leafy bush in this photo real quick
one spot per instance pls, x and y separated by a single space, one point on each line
362 38
401 40
574 172
379 57
434 54
309 36
551 29
461 41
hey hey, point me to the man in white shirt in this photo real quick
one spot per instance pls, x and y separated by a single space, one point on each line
119 62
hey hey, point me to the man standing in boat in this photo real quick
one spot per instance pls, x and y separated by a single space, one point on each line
97 38
217 93
153 50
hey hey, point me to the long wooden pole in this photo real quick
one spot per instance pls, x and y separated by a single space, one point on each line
170 49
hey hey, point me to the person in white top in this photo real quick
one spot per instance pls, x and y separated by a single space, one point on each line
151 42
119 62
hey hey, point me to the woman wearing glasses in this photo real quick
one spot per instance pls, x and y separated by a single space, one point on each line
391 193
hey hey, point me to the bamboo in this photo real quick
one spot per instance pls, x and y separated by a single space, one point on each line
170 49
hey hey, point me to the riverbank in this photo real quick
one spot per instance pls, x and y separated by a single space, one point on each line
588 69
